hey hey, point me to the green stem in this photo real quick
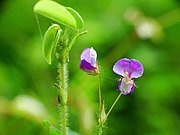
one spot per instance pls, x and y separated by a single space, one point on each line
64 121
112 107
100 131
71 44
100 126
100 98
73 41
62 95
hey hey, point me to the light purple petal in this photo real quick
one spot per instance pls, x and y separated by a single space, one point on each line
121 66
87 67
126 87
133 67
85 55
90 55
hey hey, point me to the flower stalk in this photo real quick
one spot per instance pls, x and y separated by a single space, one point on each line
100 126
100 97
103 117
111 108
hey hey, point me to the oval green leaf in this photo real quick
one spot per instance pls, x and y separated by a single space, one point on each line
50 41
56 12
76 15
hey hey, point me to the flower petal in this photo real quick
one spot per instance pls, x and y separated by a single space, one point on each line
135 69
121 66
90 55
126 87
93 56
87 67
85 55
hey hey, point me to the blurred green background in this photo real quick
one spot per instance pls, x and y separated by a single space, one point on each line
147 30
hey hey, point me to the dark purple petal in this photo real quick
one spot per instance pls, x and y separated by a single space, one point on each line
87 67
121 66
126 87
89 55
133 67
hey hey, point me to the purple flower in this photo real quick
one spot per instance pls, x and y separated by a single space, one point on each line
128 69
88 60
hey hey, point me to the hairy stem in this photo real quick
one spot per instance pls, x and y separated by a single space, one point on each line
62 95
100 131
64 121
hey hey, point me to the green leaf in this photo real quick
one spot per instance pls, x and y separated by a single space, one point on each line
76 15
54 131
50 41
71 132
56 12
46 123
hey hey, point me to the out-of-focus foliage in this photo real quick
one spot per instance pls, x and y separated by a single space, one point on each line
147 30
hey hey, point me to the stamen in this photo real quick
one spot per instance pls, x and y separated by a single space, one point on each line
126 76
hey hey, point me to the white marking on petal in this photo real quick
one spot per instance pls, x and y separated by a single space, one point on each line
93 56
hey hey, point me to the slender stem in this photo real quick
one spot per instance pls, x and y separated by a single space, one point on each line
39 27
62 94
100 97
82 33
71 43
100 126
112 107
